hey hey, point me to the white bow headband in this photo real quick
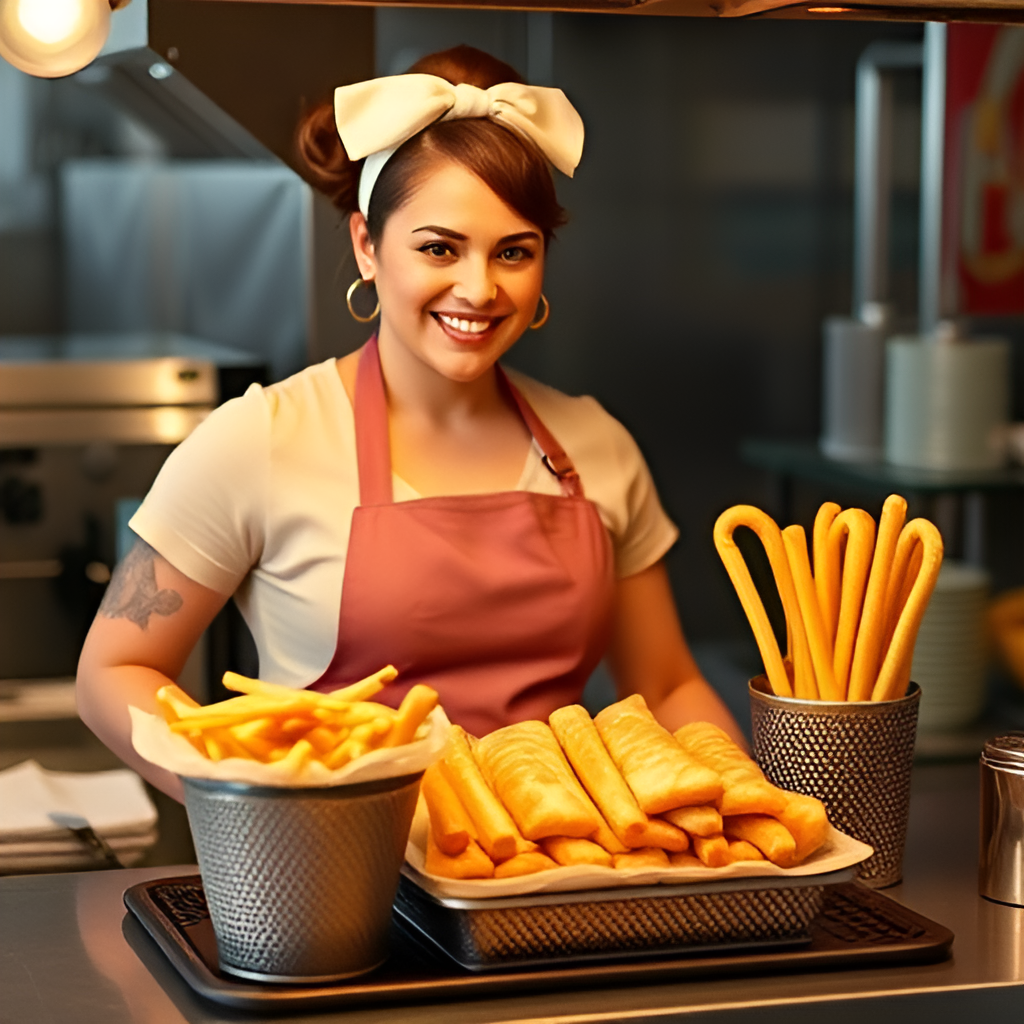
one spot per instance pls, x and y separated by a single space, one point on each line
374 118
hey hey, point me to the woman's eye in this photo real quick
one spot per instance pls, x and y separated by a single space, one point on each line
437 249
515 254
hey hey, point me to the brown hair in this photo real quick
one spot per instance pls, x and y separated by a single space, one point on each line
512 166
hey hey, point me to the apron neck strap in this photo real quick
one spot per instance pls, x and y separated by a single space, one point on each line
373 447
555 457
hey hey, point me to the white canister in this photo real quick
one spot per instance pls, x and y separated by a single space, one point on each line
946 403
950 657
851 396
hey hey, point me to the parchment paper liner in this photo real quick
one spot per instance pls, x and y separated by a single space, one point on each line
839 851
153 740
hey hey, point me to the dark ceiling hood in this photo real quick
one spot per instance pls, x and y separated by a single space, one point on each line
1005 11
230 78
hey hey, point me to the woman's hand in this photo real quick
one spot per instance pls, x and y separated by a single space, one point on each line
150 619
648 654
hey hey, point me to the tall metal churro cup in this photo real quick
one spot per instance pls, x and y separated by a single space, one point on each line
853 756
300 882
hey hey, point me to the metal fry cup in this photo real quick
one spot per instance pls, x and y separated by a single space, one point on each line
300 882
854 756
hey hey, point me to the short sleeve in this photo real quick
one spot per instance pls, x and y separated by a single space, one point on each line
205 511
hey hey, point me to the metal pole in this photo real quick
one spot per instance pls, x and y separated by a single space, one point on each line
873 167
933 125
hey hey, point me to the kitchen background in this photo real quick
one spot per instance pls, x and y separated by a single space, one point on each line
711 234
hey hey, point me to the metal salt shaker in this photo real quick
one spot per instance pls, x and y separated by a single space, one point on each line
1001 865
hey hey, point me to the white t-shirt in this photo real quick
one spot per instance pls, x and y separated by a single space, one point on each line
258 501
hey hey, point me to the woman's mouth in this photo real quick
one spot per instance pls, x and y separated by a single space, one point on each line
467 328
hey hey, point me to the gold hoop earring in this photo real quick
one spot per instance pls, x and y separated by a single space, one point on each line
547 312
348 302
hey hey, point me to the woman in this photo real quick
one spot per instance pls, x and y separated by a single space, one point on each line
411 503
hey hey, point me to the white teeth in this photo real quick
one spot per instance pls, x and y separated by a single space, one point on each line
466 326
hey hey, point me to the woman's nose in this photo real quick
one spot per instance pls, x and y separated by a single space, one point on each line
475 283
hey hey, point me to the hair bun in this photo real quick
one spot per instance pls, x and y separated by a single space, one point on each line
323 157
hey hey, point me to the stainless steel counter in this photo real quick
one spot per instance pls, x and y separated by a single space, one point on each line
64 955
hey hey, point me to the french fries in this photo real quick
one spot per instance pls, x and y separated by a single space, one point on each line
565 785
851 619
277 724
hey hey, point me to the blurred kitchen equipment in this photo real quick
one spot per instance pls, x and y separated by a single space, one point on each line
211 249
950 659
947 398
300 882
86 420
1001 862
853 368
854 353
947 402
854 756
140 387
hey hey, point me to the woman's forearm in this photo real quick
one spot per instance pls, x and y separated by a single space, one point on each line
696 701
104 695
648 654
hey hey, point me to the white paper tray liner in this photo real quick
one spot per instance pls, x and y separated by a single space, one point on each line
154 740
839 851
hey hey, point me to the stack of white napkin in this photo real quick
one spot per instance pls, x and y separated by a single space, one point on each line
114 803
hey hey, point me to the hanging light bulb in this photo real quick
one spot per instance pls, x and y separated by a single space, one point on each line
52 38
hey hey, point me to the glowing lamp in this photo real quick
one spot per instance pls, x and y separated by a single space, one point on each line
52 38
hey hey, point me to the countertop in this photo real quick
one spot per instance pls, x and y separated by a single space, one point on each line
64 957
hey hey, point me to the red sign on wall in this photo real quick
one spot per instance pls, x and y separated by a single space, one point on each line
984 170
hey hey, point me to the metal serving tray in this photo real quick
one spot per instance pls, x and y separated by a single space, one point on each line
855 927
571 927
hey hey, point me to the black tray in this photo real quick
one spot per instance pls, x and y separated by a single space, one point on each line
856 927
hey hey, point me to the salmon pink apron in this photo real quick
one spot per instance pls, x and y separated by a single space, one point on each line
501 602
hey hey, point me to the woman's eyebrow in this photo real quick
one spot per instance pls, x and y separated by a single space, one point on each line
443 232
455 236
522 236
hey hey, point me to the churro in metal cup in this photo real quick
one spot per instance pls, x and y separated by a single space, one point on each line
854 756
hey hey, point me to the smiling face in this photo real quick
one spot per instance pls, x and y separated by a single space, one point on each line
458 273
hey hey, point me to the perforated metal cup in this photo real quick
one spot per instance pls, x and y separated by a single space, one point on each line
854 756
300 882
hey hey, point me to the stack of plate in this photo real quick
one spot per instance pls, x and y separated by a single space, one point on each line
950 657
115 803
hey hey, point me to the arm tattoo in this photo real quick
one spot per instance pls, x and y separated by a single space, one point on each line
132 592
